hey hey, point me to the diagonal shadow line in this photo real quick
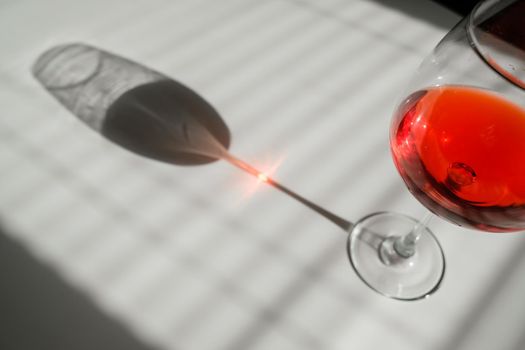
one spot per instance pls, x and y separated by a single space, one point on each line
266 320
263 312
329 13
324 105
58 171
473 317
391 195
326 150
291 63
231 289
121 20
35 189
275 41
144 17
201 58
221 16
355 171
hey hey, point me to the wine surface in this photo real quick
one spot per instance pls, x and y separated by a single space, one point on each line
461 152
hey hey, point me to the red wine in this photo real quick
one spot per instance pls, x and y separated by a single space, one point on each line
461 152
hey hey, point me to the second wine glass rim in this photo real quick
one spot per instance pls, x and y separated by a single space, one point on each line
485 57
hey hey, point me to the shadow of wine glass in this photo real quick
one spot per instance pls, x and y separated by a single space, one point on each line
144 111
134 106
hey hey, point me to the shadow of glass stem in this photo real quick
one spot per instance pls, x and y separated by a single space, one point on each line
144 111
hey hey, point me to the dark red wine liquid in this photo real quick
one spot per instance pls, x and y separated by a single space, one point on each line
461 152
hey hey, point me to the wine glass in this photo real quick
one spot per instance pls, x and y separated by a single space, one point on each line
458 142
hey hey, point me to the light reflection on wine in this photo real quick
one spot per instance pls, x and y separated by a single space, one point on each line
461 153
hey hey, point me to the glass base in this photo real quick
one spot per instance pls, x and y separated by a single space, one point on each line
376 258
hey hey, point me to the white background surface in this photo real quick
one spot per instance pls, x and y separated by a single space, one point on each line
204 257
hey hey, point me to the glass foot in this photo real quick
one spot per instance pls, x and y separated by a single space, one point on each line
400 274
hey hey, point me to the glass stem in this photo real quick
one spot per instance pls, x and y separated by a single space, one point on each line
395 250
406 245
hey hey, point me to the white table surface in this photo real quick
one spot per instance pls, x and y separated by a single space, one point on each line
204 257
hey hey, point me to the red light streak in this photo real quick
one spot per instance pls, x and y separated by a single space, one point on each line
265 177
260 176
